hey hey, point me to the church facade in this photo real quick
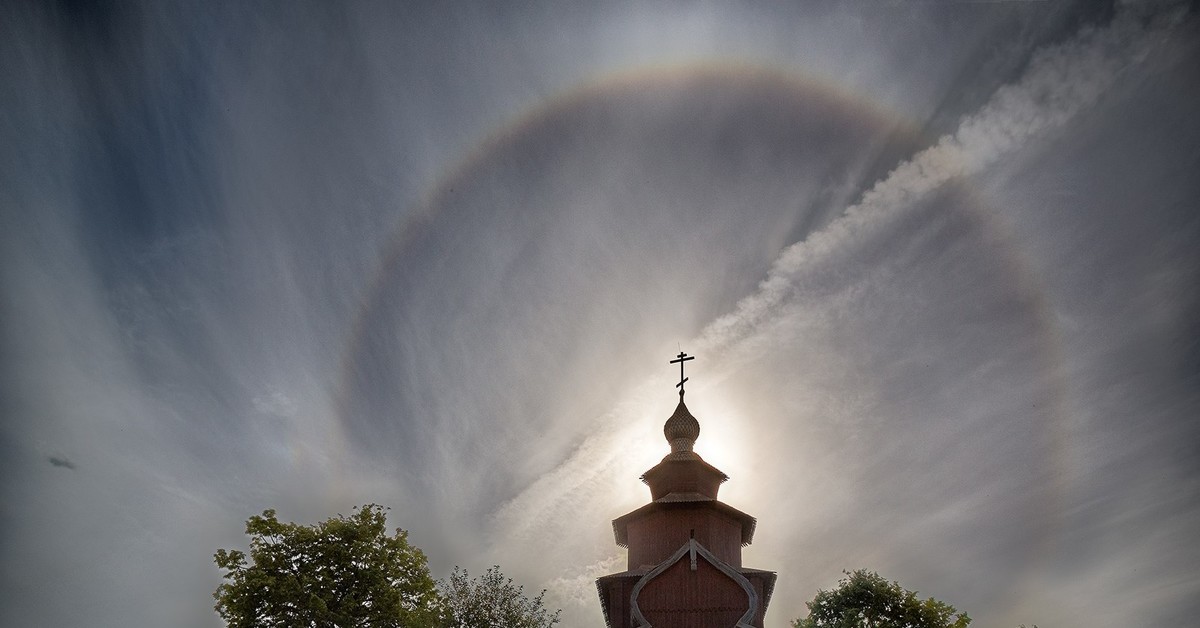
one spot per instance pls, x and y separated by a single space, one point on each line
685 547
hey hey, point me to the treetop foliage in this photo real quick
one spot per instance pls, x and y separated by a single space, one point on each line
492 600
347 572
863 599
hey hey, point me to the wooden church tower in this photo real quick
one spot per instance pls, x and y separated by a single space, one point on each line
685 547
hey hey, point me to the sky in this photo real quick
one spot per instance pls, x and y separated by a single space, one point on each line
938 262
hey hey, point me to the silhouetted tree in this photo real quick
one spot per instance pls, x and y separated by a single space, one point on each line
492 600
864 599
347 572
342 572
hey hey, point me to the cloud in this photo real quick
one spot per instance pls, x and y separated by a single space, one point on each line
1060 82
578 587
275 404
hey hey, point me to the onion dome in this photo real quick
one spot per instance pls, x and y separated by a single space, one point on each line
682 429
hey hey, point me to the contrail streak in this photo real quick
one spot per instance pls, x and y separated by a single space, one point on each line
1061 81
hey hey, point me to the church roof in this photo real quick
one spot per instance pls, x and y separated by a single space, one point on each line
694 464
683 500
684 497
683 470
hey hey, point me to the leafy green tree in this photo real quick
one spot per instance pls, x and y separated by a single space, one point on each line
343 572
864 599
492 601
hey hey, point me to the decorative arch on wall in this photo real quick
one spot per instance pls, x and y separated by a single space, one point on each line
692 549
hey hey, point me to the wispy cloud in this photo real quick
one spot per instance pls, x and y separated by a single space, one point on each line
1061 81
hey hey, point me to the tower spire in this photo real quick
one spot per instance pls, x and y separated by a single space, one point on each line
685 546
682 429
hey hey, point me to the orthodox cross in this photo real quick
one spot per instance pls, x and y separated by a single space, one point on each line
681 358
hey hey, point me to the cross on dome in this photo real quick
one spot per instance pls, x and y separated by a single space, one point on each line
682 429
681 358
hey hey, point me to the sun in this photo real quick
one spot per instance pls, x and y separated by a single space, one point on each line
721 442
